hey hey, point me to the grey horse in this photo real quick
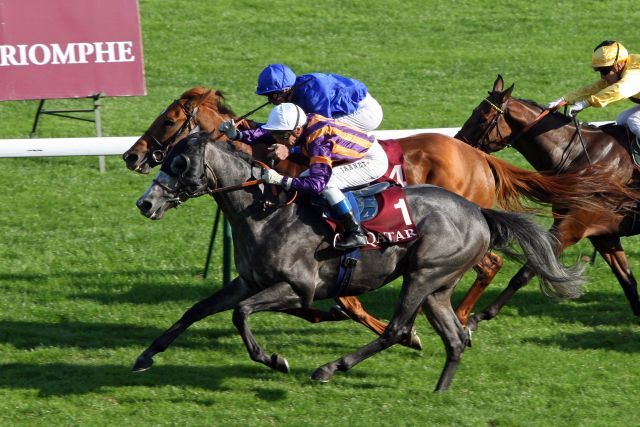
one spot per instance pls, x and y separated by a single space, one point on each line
285 260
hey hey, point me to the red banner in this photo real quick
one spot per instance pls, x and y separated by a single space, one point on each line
70 49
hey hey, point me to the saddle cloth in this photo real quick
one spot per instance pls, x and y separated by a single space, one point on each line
395 172
384 214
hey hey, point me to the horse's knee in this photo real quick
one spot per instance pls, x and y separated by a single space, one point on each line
239 316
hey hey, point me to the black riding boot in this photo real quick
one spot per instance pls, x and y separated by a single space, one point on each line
353 236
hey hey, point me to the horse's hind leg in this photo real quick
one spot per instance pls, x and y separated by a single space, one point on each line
438 310
487 270
413 290
612 252
224 299
354 309
522 277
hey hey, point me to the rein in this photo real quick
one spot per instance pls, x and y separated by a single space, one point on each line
212 191
245 184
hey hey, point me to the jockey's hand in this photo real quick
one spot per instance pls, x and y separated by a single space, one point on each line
555 103
278 151
574 109
270 176
229 129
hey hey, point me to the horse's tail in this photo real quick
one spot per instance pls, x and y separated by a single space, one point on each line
539 248
589 189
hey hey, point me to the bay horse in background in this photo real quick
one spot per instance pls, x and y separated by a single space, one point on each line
428 158
550 141
454 234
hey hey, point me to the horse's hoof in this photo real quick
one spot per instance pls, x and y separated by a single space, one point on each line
142 364
322 374
468 337
338 313
416 342
413 341
279 363
472 324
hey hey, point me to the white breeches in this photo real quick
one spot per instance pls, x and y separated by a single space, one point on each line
367 117
369 168
631 118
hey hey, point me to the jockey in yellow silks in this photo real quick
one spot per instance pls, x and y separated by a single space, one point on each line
619 79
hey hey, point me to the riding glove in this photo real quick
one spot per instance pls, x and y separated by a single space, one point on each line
270 176
555 103
229 129
574 109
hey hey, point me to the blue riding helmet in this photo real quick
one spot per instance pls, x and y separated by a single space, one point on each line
275 78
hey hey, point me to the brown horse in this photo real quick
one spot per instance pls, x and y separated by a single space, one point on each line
428 158
551 141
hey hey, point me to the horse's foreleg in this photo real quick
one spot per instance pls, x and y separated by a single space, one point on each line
279 297
224 299
612 252
487 270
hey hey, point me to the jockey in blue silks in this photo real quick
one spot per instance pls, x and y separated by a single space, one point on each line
340 156
330 95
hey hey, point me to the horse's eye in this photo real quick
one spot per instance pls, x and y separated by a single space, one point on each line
168 123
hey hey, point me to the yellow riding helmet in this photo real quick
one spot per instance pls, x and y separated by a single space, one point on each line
608 53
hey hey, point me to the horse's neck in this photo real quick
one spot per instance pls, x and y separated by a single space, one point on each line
238 206
549 144
209 118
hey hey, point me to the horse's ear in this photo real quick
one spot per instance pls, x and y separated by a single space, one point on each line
507 93
498 84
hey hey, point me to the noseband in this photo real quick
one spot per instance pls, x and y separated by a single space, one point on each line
483 141
159 149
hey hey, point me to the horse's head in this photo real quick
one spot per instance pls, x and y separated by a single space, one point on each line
487 128
183 175
198 109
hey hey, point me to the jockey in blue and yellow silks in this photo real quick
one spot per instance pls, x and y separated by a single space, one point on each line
339 157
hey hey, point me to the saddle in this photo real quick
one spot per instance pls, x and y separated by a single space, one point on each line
630 140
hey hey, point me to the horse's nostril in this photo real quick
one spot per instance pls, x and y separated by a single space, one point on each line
130 157
144 206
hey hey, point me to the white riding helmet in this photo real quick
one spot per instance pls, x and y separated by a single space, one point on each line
286 116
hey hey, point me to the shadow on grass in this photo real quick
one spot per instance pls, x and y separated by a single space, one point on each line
62 379
31 335
622 341
59 379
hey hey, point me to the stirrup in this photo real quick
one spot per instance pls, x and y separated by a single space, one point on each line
358 244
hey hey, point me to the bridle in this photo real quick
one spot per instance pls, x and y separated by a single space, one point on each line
159 149
483 142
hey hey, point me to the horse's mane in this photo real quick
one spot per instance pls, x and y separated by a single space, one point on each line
229 149
214 98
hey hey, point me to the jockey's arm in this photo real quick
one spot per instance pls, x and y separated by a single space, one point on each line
256 136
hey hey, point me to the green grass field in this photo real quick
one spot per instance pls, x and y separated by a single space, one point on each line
87 282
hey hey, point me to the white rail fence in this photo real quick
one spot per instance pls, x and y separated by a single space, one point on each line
108 146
